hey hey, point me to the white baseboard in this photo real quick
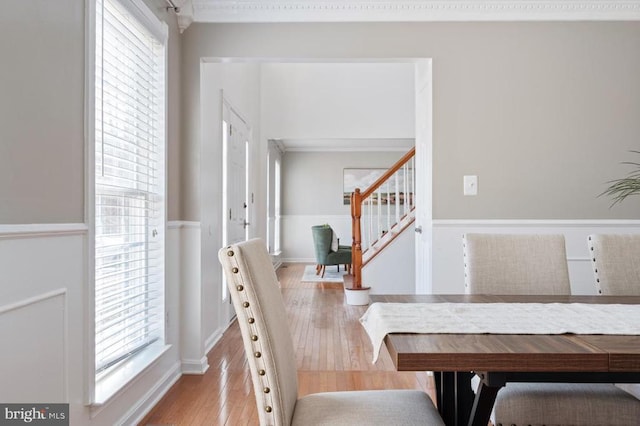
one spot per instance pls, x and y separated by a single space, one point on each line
211 341
195 366
152 397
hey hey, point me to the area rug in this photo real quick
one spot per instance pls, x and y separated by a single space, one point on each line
331 274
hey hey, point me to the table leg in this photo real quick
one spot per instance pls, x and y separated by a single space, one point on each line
464 397
445 396
485 398
483 405
454 396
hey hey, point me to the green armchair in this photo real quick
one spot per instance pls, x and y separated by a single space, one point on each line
323 239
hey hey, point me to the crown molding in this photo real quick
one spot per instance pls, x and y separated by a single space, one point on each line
248 11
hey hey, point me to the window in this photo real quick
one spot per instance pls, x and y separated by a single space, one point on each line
274 160
129 184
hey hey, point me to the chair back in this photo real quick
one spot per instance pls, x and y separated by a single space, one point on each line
616 263
262 317
515 264
322 237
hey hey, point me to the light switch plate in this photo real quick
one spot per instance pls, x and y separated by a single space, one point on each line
471 185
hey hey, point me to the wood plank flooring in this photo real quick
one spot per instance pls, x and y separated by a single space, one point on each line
332 350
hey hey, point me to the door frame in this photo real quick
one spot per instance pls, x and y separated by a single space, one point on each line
235 120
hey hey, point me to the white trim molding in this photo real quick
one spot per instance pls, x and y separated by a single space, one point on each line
175 224
38 230
33 300
488 223
195 366
406 11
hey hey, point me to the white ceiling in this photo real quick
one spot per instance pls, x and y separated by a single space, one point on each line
402 11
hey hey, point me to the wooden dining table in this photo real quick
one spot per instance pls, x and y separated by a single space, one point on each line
501 358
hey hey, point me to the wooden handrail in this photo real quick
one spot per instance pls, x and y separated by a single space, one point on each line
386 175
357 198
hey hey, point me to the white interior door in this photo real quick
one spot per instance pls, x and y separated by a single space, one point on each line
235 139
424 212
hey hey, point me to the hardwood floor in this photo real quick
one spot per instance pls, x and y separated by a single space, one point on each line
332 351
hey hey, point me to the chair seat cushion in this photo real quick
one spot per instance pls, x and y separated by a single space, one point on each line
338 258
565 404
383 407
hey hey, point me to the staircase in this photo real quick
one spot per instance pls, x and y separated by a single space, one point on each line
381 212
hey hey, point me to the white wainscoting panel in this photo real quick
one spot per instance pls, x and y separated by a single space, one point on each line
33 359
297 240
448 267
42 270
193 357
43 324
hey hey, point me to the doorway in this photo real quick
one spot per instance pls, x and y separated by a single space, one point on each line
235 178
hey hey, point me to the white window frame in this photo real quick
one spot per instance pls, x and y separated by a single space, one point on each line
274 196
99 392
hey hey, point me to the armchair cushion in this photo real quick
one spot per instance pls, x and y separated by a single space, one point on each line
334 241
323 236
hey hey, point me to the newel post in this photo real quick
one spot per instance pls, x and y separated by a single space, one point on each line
356 246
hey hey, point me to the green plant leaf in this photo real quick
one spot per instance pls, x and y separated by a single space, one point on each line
620 189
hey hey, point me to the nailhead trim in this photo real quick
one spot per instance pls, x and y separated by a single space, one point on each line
595 265
254 338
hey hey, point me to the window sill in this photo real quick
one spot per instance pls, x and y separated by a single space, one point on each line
115 382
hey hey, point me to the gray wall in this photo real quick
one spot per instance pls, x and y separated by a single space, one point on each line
312 182
542 112
42 112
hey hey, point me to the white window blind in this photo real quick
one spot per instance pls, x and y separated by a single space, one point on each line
129 185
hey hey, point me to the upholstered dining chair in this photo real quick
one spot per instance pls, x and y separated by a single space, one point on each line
328 250
269 349
515 264
616 263
616 266
537 264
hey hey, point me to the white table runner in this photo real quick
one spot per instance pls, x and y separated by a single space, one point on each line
498 318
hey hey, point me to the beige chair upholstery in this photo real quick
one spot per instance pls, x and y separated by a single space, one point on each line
515 264
537 264
269 348
565 404
616 263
